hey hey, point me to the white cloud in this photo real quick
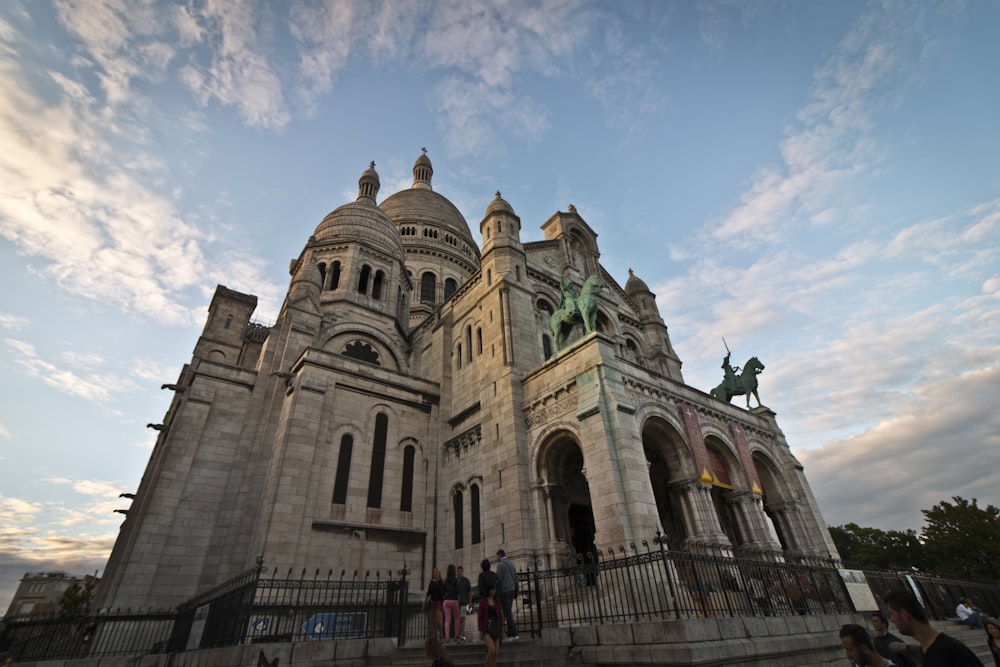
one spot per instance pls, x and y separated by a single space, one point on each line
93 387
8 321
831 144
944 443
239 75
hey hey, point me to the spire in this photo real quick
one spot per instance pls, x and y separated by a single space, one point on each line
422 171
368 184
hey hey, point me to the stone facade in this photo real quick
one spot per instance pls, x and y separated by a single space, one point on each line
407 407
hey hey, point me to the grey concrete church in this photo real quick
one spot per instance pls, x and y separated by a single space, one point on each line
412 405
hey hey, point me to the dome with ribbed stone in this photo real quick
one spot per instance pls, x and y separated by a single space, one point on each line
362 220
420 205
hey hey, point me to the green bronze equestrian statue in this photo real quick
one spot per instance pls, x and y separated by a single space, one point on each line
738 384
575 309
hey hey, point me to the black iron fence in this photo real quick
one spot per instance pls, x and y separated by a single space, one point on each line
621 585
652 582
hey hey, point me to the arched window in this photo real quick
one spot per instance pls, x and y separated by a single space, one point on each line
343 470
363 279
468 342
479 340
335 276
322 275
378 461
428 285
546 346
474 502
377 285
458 356
459 537
449 287
406 497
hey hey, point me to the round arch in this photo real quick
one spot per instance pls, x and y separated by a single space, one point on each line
670 466
562 471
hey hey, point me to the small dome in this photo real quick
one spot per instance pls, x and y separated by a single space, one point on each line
499 204
635 285
362 220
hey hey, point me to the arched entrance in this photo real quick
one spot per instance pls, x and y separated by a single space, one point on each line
571 513
663 446
774 502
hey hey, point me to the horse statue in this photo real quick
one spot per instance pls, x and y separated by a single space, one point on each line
738 384
576 309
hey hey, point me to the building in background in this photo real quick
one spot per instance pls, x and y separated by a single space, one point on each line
411 405
39 592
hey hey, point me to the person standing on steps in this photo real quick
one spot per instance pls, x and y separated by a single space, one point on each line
464 601
434 603
450 604
507 587
490 623
486 578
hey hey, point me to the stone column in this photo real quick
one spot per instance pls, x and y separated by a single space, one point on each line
749 509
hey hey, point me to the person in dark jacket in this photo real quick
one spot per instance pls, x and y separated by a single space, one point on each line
491 624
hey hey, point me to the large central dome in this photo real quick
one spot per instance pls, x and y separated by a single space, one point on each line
423 207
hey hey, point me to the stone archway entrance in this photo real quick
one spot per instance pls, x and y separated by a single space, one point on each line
662 446
571 514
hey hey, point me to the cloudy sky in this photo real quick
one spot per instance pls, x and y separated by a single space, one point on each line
817 182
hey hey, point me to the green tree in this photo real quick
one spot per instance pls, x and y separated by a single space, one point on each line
75 600
876 549
962 540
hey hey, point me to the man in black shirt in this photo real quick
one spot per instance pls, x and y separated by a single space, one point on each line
883 639
940 650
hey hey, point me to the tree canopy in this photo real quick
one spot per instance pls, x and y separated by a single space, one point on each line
962 540
959 540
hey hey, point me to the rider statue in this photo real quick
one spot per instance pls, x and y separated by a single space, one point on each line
568 297
730 373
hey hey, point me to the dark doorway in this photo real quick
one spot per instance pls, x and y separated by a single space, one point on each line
583 529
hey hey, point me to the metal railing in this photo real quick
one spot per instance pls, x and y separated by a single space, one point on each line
621 585
626 585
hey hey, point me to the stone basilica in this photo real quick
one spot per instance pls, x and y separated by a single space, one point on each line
411 405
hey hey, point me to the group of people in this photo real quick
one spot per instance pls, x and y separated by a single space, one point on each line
449 601
933 648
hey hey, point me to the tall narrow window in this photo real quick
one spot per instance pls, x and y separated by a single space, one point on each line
428 285
343 470
468 343
378 461
335 276
479 340
449 287
406 498
363 279
459 538
322 275
377 285
474 502
458 356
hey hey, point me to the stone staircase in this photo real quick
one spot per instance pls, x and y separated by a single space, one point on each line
522 653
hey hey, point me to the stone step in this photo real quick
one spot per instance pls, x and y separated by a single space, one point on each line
522 653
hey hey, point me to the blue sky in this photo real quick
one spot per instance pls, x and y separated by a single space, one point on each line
816 182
